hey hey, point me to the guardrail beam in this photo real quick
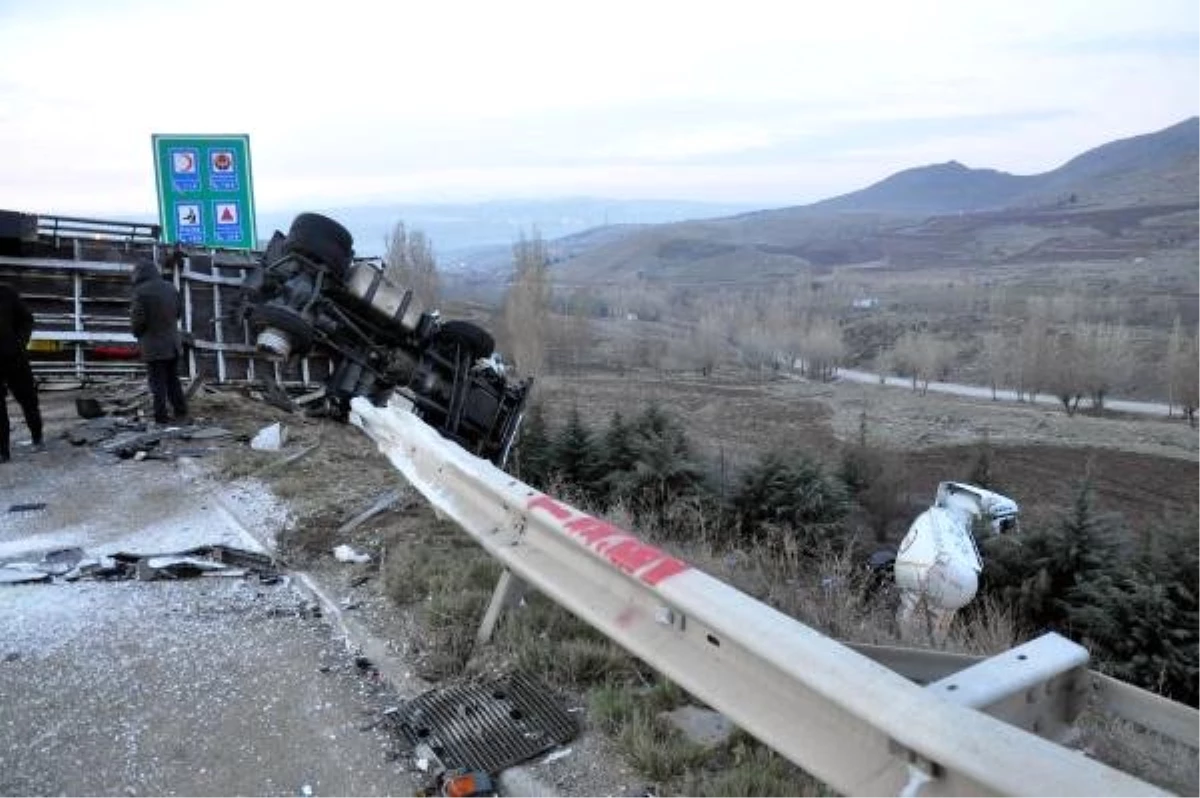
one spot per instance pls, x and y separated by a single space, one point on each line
1039 686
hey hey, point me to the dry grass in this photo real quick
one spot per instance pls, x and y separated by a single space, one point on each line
658 750
543 638
746 767
1147 755
441 572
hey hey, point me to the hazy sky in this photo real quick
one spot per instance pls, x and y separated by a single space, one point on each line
778 103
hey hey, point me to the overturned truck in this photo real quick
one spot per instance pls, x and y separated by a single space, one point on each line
308 292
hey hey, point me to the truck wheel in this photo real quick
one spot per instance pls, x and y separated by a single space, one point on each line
322 239
471 337
301 332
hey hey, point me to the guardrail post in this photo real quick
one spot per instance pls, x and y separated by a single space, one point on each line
1039 686
509 590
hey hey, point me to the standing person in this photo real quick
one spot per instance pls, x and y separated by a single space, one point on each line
153 317
16 327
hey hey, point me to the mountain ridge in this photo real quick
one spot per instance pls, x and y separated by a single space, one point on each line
951 187
1120 200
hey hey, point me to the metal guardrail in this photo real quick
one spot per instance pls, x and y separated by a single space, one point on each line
1113 697
61 227
848 720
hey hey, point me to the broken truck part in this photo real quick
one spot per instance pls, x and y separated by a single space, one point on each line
309 293
938 564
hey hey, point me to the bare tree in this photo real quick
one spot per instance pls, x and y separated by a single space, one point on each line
997 360
408 261
923 357
822 349
527 304
903 358
934 357
1034 365
571 330
1171 364
1189 383
1068 379
1185 372
708 339
1106 351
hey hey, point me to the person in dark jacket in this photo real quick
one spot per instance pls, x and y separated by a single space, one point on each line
153 315
16 327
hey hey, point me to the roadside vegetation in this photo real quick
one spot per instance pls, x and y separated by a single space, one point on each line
796 535
794 527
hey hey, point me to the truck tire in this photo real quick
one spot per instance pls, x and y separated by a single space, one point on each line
321 239
302 333
477 341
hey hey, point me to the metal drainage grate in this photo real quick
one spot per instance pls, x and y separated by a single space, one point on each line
488 726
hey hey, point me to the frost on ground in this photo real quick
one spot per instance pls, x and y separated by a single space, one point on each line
203 687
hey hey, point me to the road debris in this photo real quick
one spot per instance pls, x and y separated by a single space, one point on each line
384 502
72 564
137 440
344 553
270 438
15 575
279 465
554 756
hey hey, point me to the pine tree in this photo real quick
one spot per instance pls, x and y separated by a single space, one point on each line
1158 645
663 469
575 458
792 492
1064 578
534 455
981 471
618 458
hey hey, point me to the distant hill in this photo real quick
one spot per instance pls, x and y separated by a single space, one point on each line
942 188
1124 199
456 227
1139 169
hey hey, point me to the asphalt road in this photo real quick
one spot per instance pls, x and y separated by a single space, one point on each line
204 686
983 392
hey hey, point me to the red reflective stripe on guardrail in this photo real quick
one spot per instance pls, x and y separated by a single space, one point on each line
648 563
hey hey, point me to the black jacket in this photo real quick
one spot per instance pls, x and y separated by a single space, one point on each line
16 324
153 314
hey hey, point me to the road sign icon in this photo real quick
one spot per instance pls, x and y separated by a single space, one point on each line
222 169
189 223
185 169
221 160
228 218
183 162
227 213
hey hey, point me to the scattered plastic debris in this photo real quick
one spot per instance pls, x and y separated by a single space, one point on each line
71 565
554 756
10 575
344 553
270 438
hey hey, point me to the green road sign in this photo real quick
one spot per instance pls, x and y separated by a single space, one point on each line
205 197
